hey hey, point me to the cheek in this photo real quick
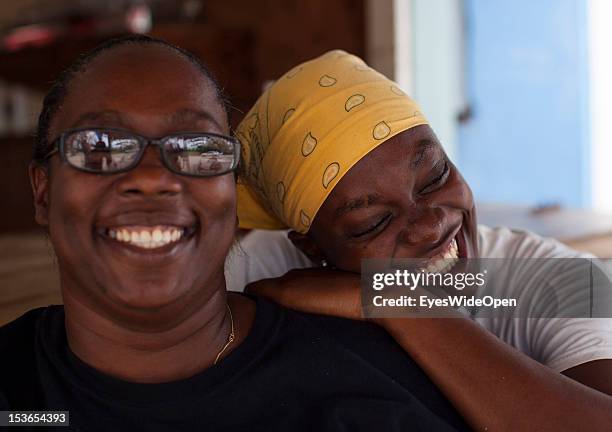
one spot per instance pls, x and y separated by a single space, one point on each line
383 245
348 255
224 196
73 200
217 199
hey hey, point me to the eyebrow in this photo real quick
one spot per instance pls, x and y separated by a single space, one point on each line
183 116
356 204
99 116
424 146
189 115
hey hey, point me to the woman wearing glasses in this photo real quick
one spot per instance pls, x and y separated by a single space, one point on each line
133 182
339 154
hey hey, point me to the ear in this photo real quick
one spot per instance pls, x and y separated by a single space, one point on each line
39 180
307 246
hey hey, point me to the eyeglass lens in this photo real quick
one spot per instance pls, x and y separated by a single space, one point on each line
111 151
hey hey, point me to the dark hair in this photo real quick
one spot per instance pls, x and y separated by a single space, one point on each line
59 89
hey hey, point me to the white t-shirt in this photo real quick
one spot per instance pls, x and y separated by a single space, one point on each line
559 343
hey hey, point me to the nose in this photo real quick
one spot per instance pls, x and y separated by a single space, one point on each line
425 230
149 178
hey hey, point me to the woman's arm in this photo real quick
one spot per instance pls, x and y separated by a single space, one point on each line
494 386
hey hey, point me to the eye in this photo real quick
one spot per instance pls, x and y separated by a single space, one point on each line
439 178
376 227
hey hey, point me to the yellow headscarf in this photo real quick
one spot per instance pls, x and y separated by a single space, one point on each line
307 130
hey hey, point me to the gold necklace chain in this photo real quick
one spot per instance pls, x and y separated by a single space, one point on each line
230 337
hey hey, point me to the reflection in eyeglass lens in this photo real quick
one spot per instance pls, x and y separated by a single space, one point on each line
100 151
203 155
108 151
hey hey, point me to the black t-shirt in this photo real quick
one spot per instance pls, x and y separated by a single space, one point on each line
294 371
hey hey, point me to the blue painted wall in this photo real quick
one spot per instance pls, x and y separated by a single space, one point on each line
527 82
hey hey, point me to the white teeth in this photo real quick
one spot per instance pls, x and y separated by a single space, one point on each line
145 236
157 235
148 238
445 261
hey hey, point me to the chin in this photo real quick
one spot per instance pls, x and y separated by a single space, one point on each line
147 294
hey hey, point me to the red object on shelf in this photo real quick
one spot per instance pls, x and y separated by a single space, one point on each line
136 19
31 35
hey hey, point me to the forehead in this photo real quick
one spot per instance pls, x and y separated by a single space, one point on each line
139 80
392 162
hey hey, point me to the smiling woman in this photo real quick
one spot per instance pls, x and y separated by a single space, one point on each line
375 182
96 133
133 182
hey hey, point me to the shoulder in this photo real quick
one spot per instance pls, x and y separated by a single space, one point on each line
311 332
554 285
330 363
19 357
318 340
503 242
20 332
357 356
17 341
350 341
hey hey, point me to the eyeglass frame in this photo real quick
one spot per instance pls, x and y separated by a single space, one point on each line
59 143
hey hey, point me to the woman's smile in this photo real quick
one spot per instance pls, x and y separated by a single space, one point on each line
144 237
154 242
149 234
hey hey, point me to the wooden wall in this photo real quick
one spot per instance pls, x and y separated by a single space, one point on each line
245 43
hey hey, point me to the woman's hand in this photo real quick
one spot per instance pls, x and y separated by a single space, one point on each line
314 290
327 292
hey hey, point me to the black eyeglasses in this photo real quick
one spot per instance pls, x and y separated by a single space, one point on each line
112 151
